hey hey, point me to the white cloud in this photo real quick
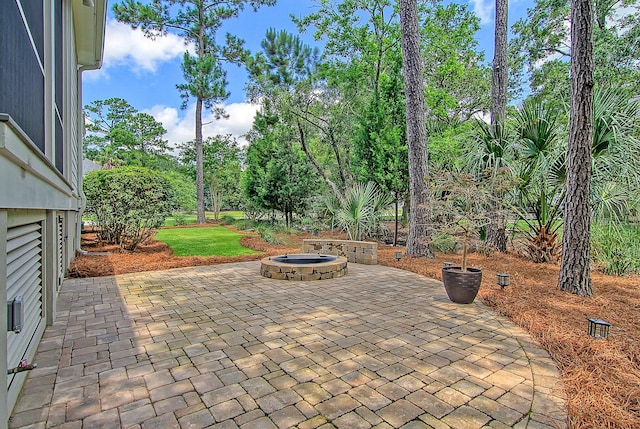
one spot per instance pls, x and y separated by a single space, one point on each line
180 124
125 46
484 10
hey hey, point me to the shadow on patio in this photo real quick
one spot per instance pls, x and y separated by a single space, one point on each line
220 346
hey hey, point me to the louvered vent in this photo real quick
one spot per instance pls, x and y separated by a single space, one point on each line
24 278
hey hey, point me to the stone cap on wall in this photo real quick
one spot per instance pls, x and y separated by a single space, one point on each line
359 252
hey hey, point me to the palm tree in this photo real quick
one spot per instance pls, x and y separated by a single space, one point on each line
541 173
360 210
615 156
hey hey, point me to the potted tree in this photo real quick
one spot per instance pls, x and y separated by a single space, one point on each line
460 206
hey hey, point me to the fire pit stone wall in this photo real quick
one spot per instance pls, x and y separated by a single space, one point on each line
273 269
359 252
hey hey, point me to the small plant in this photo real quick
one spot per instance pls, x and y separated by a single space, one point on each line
179 219
542 242
268 235
228 220
461 206
359 211
444 243
615 251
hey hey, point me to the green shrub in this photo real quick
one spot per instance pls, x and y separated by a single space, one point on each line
244 224
179 219
183 190
615 251
268 235
444 243
228 220
127 204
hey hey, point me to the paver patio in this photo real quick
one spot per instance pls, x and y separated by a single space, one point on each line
222 347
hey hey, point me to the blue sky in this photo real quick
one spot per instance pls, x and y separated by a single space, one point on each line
145 72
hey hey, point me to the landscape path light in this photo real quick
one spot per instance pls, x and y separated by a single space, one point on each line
503 280
599 328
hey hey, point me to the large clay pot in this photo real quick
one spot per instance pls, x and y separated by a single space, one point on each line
461 286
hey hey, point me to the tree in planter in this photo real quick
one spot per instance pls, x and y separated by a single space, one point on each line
461 205
127 203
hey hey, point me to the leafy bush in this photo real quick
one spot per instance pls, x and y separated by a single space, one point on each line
127 204
179 219
228 220
359 211
444 243
244 224
183 190
268 235
615 251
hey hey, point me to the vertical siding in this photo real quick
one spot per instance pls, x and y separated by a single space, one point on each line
22 84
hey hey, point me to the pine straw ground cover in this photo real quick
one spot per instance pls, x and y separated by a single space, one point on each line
601 377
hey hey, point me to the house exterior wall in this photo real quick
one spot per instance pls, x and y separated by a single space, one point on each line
44 47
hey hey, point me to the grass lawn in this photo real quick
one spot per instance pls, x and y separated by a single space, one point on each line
190 219
215 241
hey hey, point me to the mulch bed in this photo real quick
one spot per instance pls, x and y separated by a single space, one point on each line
601 377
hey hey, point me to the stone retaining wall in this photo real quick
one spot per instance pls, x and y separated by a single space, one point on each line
360 252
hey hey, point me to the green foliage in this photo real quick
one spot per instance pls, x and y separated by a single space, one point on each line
615 250
268 234
615 155
284 61
444 243
542 44
127 204
380 146
360 210
228 220
446 145
278 175
540 193
459 84
198 23
222 169
179 219
217 241
117 134
183 191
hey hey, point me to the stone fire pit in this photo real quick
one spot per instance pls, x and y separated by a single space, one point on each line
305 266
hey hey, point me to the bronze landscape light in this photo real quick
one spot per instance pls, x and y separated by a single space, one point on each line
599 328
503 280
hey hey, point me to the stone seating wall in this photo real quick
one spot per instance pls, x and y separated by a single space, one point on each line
359 252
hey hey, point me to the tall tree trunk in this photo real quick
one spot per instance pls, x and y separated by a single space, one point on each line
496 236
419 240
395 233
199 163
574 270
500 66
